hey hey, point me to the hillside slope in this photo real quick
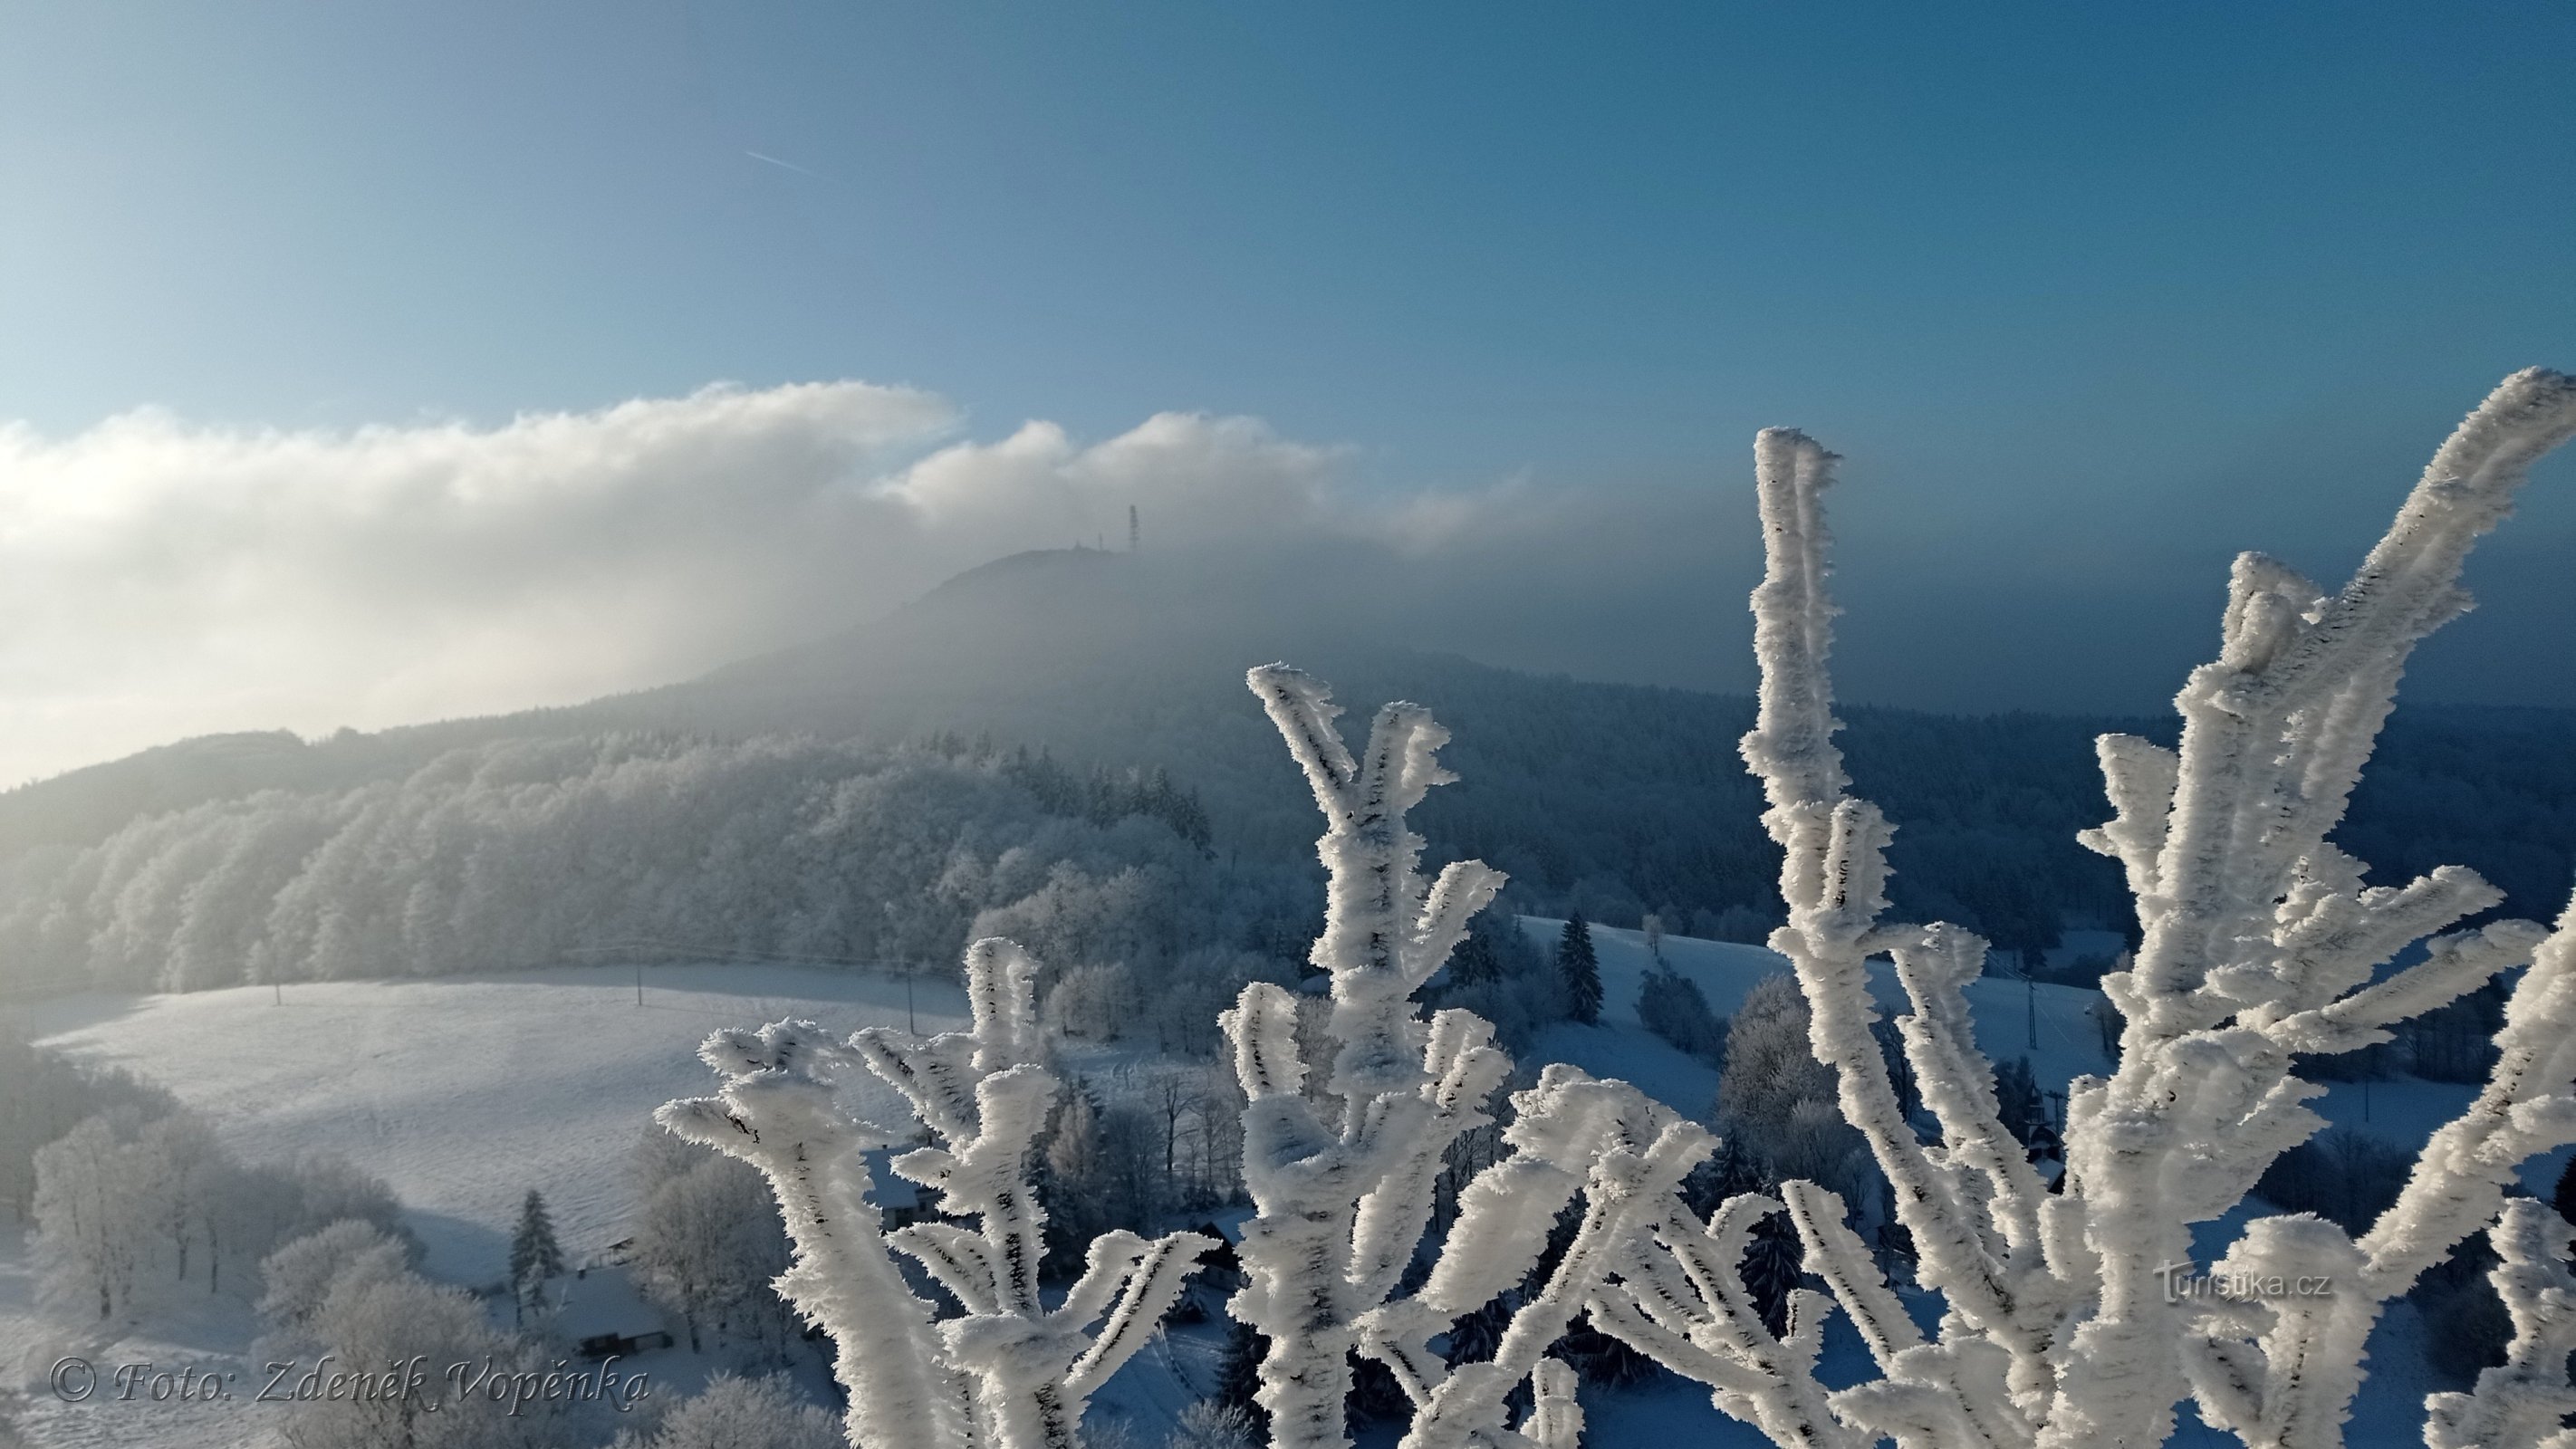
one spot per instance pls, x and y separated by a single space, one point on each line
1612 799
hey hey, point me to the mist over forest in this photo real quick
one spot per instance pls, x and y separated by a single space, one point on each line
1059 745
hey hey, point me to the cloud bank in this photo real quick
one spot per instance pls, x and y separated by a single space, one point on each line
160 579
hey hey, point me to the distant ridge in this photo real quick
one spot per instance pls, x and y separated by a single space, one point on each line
1612 792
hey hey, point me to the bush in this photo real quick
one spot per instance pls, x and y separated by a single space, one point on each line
1673 1007
1769 1066
739 1413
1208 1424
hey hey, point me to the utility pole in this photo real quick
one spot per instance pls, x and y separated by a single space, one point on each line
1131 528
2030 998
639 981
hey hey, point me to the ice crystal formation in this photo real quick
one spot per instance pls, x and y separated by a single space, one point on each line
1009 1372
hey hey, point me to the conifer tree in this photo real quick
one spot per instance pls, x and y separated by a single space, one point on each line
1238 1376
1477 959
1576 961
1772 1271
534 1254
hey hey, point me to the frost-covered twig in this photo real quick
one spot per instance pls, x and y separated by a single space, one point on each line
2261 941
2525 1401
1341 1209
1680 1301
1627 1154
1009 1373
1977 1212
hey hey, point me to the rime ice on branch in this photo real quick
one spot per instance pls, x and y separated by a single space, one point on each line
1009 1373
2261 941
1342 1207
2526 1399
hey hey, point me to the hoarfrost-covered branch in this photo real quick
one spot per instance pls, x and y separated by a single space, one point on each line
2260 941
1341 1208
1680 1301
1009 1373
2527 1399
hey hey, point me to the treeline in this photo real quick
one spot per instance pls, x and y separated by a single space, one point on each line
1620 802
181 867
1099 795
528 852
44 1094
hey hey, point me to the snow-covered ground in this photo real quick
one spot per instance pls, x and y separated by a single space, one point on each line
464 1092
211 1335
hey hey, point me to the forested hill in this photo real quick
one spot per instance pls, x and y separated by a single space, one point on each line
1611 799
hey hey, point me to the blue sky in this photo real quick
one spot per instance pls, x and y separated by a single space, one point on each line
2093 293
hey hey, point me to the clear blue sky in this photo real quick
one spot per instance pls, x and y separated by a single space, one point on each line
2048 273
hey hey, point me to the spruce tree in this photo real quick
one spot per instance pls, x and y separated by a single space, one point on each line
1773 1269
1477 958
1238 1375
1581 968
534 1254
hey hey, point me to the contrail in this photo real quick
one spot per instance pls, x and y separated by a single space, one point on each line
786 165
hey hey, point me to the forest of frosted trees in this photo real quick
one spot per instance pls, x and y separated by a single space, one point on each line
174 867
2261 943
539 852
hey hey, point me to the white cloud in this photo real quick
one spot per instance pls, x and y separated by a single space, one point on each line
159 579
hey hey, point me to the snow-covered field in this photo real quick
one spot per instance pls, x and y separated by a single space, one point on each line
463 1093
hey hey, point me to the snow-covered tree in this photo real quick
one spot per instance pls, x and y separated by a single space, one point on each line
707 1243
1208 1424
739 1413
1342 1182
1009 1372
299 1276
377 1318
2261 941
534 1254
1673 1007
